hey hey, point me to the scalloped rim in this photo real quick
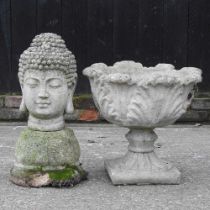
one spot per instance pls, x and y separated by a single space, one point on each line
131 72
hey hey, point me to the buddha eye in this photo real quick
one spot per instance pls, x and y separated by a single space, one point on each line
32 83
55 83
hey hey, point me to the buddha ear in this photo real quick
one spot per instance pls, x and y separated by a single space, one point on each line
22 107
69 109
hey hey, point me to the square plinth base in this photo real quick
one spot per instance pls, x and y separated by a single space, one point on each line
126 176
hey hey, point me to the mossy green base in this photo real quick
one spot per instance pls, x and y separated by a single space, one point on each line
47 159
67 177
55 148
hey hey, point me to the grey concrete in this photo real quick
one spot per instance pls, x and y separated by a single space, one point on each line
186 146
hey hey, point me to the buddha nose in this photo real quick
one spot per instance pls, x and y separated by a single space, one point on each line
43 93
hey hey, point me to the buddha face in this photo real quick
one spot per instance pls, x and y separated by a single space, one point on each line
45 93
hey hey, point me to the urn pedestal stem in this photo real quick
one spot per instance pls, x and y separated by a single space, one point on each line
140 165
141 140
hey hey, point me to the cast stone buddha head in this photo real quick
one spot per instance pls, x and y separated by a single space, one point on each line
47 75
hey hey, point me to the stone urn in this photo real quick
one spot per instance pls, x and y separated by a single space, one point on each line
141 99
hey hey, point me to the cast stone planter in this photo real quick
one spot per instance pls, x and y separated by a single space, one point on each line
141 99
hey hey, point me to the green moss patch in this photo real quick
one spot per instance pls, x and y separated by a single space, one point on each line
55 148
67 177
66 174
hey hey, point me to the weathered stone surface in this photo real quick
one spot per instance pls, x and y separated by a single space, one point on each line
194 116
131 95
46 153
200 104
49 84
8 114
66 177
1 101
141 98
13 101
12 114
57 148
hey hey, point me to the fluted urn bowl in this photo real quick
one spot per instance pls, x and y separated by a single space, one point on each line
141 98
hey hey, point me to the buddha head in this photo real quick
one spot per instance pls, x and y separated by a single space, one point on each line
47 75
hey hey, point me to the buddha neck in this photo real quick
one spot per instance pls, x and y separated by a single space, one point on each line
54 124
